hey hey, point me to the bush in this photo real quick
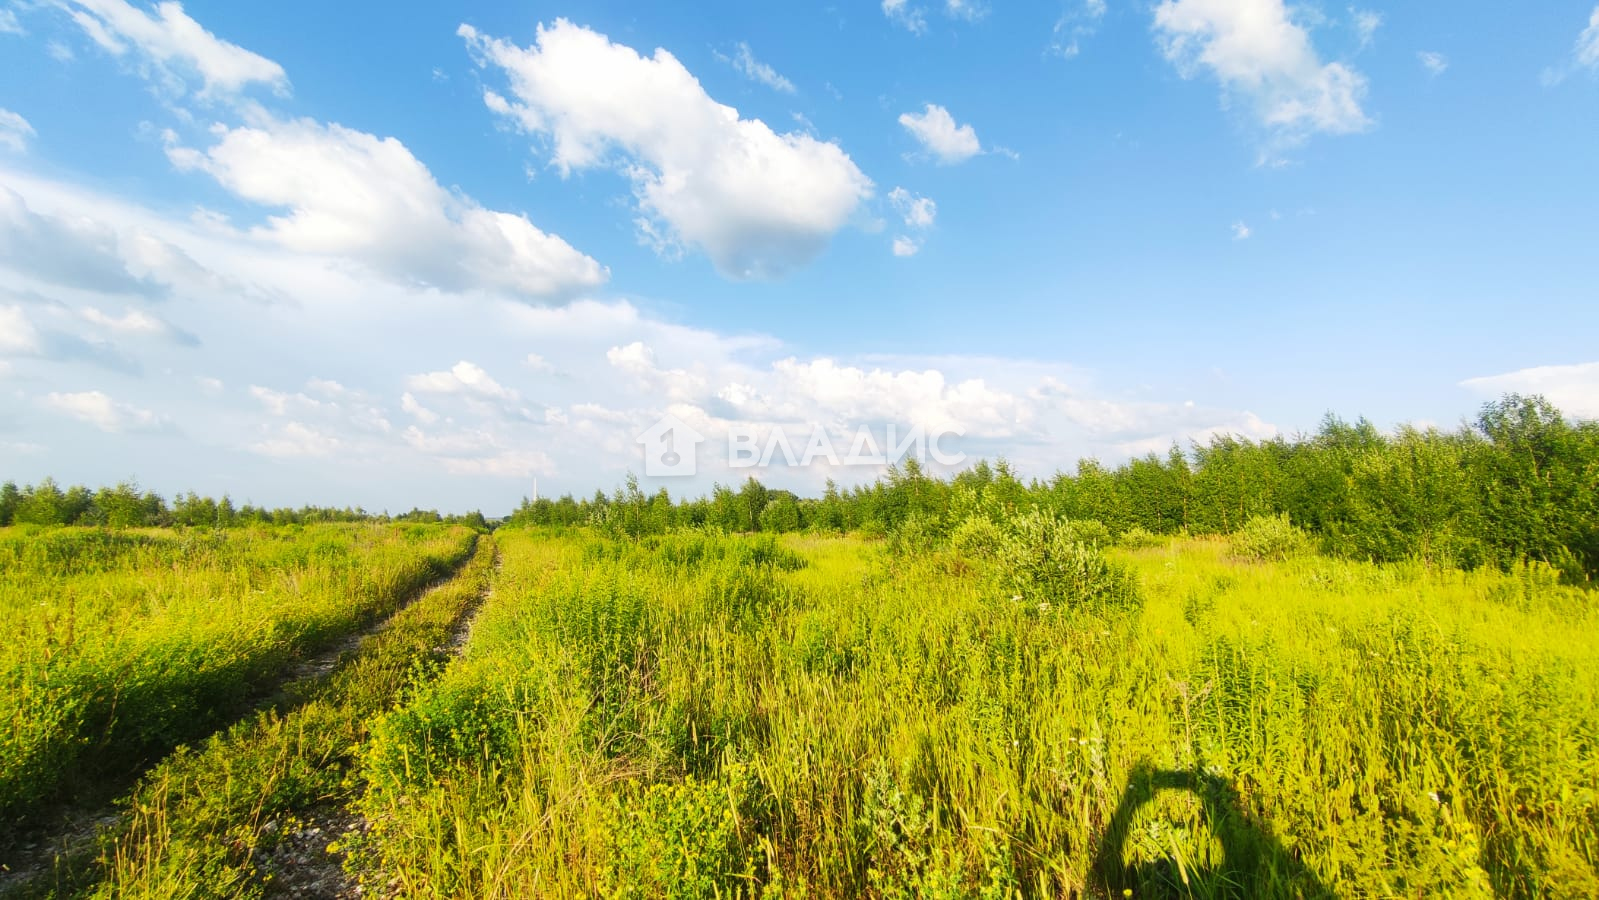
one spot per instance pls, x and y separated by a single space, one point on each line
1140 538
781 515
1044 559
915 535
977 537
689 839
1086 531
1270 539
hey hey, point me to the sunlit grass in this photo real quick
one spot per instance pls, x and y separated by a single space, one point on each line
123 644
192 826
698 716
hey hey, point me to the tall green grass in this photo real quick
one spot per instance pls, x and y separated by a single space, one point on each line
696 716
196 822
123 645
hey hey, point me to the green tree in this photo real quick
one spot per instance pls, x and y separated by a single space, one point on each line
781 515
752 498
41 504
9 498
121 506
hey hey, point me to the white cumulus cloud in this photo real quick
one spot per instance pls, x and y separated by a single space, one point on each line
352 194
758 203
99 410
175 46
294 440
1262 57
1573 389
918 212
638 360
1434 63
137 322
823 390
941 136
416 410
462 378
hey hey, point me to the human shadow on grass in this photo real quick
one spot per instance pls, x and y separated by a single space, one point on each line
1252 864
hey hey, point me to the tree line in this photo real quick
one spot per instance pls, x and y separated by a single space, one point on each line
127 506
1520 482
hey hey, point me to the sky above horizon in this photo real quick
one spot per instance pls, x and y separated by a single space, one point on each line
422 254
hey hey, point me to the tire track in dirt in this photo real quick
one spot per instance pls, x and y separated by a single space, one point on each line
306 861
67 840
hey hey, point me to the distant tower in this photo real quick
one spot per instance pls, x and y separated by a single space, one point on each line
535 489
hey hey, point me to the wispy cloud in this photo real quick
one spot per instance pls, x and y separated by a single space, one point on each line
14 131
171 47
1366 23
747 65
1076 25
913 18
909 17
1584 55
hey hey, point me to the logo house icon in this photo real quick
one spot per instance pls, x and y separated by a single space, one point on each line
670 447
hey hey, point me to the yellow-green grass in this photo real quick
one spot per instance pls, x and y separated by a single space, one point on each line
195 823
697 716
122 645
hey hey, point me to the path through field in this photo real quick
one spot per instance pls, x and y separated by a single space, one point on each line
300 864
62 855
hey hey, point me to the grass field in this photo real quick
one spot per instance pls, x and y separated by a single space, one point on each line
719 716
124 644
704 715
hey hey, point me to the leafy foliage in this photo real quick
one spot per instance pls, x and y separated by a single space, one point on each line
1048 560
1270 539
1522 483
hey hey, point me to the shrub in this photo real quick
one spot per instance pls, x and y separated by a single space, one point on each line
977 537
1086 531
916 534
689 839
1044 559
1140 538
1270 539
781 515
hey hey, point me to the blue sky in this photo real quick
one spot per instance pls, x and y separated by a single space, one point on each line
409 254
